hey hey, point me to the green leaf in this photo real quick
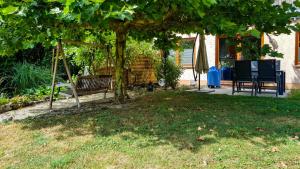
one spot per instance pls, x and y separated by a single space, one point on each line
97 1
209 2
68 4
9 10
297 3
55 11
255 33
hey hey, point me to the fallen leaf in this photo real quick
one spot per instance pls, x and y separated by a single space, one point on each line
200 139
199 109
171 109
282 165
294 138
260 129
275 149
205 163
211 130
200 128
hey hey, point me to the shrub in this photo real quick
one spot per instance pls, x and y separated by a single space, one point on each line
29 76
170 72
3 101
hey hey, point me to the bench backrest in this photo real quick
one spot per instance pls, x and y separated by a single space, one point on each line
93 83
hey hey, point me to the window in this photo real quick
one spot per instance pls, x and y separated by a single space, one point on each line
297 55
186 55
226 53
172 55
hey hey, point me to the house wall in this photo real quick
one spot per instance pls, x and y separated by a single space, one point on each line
286 46
187 77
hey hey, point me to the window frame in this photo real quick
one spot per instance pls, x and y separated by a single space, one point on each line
239 55
297 45
217 50
178 54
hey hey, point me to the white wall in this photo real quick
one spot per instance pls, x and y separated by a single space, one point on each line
210 46
286 46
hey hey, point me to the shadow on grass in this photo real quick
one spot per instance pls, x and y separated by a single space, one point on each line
184 120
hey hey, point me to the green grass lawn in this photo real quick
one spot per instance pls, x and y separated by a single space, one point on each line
161 130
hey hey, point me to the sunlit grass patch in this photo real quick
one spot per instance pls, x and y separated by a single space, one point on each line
161 130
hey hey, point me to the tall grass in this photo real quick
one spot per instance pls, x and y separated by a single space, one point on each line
28 76
3 84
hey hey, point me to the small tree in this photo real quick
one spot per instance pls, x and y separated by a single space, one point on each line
170 72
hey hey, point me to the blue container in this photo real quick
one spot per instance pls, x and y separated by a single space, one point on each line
213 78
226 73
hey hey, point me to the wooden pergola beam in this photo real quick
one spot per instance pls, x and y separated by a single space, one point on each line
80 43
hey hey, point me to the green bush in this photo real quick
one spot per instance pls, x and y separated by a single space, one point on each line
3 101
39 91
170 72
29 76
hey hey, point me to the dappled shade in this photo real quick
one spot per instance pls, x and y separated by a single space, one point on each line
168 129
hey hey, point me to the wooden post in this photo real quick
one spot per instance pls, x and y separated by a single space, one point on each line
199 83
68 72
54 76
53 58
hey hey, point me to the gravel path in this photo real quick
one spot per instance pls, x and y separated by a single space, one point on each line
43 108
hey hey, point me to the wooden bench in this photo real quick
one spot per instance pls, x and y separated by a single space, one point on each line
93 84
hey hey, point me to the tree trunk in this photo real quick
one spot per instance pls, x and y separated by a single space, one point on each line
164 61
120 88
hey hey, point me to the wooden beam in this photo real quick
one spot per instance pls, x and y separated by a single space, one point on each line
80 43
262 43
52 61
54 77
239 54
68 73
262 39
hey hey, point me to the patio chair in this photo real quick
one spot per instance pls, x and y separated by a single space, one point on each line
267 74
242 74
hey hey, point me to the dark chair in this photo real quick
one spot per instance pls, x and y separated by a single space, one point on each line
267 74
242 74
